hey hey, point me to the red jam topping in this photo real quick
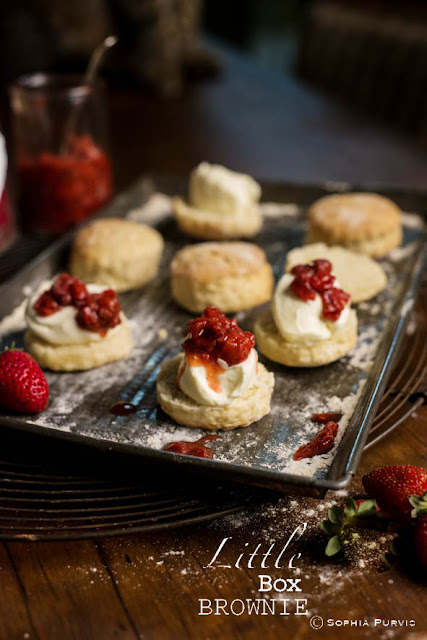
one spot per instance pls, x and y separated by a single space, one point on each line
323 418
95 311
197 448
211 337
58 191
317 279
322 443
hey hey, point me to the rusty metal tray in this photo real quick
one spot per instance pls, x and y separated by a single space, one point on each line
260 454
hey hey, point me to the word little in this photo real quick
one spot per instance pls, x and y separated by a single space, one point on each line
260 558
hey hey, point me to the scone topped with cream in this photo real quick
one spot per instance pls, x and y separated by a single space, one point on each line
222 204
358 274
72 326
217 383
311 322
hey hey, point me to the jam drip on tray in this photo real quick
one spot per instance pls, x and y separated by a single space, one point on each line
96 312
197 448
317 279
322 443
123 408
213 337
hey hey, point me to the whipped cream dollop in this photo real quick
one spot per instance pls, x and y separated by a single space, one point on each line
217 189
302 321
218 384
61 327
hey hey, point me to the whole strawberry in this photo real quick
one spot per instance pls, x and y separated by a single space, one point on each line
392 487
23 386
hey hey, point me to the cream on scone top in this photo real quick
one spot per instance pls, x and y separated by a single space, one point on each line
219 362
219 190
60 326
309 309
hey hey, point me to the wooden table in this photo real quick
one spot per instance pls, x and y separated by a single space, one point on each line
149 586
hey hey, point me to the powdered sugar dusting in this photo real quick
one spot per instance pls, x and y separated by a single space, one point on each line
277 210
157 208
14 321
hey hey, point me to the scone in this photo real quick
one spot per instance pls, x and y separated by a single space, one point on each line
232 276
357 273
364 222
217 383
118 253
311 322
222 204
74 327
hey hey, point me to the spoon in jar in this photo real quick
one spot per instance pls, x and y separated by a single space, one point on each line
88 81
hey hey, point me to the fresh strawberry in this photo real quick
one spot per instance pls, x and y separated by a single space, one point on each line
420 535
23 386
392 486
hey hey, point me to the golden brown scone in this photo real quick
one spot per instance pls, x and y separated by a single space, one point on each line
357 273
232 276
365 222
250 407
310 354
116 345
115 252
208 225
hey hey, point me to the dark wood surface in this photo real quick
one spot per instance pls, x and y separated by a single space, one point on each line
148 586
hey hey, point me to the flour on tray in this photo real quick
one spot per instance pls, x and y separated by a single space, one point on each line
157 207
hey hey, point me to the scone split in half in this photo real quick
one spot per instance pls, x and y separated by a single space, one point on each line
73 327
358 274
311 322
217 383
222 204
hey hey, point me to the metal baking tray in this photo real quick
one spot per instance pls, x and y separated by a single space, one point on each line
262 453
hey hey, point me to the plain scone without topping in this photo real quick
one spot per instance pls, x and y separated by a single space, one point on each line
364 222
250 407
118 253
308 354
357 273
232 276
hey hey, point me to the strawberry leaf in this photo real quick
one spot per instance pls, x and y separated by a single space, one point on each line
350 509
367 508
330 528
336 515
333 547
420 505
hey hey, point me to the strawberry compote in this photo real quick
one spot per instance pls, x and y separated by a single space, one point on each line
317 278
58 191
198 449
214 337
95 311
322 443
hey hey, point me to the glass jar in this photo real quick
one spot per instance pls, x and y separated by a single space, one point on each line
7 221
64 172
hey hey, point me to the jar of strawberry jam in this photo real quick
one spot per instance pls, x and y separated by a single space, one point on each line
64 172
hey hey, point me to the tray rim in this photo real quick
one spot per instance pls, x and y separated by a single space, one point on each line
344 464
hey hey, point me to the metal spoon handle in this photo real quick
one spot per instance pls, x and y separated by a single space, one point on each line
88 80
